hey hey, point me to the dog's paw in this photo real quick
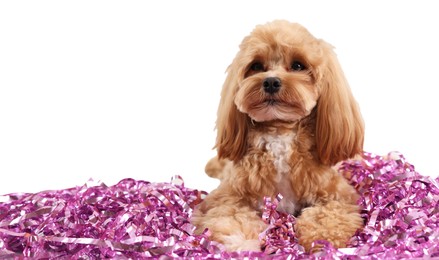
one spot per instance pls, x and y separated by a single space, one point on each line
334 222
250 245
237 242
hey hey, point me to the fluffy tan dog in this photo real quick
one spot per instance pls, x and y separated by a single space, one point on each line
286 116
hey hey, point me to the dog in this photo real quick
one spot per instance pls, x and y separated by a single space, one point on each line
285 118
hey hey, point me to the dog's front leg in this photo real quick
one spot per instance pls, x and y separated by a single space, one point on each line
335 222
334 217
230 220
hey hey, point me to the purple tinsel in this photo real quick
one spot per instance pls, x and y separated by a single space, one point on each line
139 219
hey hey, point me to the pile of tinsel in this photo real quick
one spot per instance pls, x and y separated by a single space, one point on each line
139 219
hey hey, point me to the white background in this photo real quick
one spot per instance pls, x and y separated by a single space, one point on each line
115 89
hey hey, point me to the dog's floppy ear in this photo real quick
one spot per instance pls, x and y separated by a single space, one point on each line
339 127
232 125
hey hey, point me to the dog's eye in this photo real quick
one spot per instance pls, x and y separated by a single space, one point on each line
297 66
257 66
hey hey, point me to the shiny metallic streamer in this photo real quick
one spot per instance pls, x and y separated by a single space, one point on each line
138 219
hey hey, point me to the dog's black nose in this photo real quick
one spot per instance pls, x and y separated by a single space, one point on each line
271 85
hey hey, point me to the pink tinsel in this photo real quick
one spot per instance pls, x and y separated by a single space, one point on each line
138 219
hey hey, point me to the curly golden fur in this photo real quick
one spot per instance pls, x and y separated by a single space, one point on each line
286 116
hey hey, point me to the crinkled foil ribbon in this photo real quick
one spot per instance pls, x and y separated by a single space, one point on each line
138 220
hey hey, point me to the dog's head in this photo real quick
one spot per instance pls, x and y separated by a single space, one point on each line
284 73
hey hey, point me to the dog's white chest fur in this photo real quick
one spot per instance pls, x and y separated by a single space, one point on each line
280 147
